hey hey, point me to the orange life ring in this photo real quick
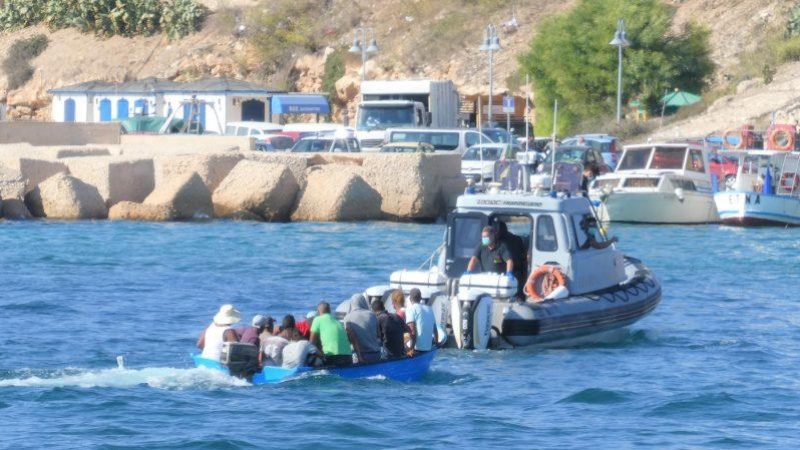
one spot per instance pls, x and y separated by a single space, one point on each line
781 139
733 133
790 181
543 281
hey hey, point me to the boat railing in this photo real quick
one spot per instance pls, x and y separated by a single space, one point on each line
432 260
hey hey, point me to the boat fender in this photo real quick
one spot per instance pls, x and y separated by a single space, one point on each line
679 193
544 280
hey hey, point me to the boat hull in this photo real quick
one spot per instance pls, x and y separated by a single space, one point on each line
658 208
747 208
563 320
403 369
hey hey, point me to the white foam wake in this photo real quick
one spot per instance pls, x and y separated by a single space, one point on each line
155 377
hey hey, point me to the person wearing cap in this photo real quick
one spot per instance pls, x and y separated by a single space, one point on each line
362 330
219 332
422 324
329 335
250 334
492 255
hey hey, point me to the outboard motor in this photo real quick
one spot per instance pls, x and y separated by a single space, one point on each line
241 359
471 319
441 310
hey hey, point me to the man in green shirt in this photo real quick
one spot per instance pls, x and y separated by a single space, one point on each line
329 335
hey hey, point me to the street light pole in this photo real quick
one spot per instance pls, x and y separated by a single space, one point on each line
365 34
620 40
490 43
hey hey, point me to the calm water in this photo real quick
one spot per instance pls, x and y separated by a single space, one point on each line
715 366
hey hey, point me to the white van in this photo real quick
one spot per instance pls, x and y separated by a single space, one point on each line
252 128
443 139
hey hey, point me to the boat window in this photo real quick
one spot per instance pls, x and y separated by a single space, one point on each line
634 159
468 236
609 183
641 182
546 234
668 158
695 161
686 185
582 225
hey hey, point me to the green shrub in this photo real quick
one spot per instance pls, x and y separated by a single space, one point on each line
17 64
789 50
281 31
177 18
334 70
21 13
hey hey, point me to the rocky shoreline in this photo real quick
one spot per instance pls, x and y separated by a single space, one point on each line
170 180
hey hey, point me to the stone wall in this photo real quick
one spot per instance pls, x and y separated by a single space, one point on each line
52 133
367 186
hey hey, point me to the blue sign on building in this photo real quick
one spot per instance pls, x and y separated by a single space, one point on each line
508 104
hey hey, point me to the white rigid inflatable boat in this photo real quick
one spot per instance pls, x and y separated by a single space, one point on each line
598 288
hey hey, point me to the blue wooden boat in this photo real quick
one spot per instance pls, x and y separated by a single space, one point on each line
403 369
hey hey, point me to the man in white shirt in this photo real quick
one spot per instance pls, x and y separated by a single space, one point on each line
422 323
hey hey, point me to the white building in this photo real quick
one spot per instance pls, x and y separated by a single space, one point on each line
217 101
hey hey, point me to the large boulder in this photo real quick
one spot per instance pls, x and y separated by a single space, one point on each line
296 162
65 197
187 195
410 184
336 193
125 210
266 190
117 178
34 170
12 194
211 167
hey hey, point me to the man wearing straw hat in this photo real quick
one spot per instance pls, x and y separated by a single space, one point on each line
219 332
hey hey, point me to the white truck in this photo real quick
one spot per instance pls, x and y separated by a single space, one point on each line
404 103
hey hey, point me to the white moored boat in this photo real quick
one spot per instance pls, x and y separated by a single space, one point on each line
574 290
657 183
766 190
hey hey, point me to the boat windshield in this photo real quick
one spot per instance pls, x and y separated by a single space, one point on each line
668 158
635 159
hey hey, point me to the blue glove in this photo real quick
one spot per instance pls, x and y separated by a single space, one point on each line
467 272
510 274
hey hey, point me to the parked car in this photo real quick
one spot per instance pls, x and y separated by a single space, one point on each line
251 128
478 161
274 143
407 147
724 168
588 157
443 139
608 145
326 143
498 135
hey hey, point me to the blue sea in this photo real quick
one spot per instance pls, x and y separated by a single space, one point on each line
716 365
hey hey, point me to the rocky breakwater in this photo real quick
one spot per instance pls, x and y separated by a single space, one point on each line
85 183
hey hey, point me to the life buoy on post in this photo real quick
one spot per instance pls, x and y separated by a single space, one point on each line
543 281
735 134
781 139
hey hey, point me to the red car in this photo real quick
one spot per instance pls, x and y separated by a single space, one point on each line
723 168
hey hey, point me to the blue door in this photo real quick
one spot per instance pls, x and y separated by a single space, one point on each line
69 110
140 107
199 116
105 110
122 109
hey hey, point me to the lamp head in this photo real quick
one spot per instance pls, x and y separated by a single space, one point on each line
373 46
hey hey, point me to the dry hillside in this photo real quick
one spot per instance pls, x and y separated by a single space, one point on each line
408 34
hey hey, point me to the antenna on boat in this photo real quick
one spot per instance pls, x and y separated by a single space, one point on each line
555 146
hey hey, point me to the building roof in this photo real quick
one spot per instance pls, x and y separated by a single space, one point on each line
152 86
